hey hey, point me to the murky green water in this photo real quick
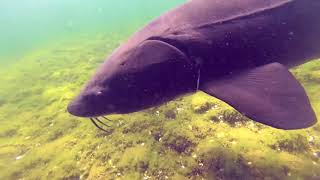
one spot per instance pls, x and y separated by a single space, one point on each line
28 24
49 48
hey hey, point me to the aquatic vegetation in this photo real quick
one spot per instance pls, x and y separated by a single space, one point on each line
193 137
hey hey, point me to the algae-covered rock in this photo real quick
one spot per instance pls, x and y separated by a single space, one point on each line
232 117
170 114
178 139
295 143
8 133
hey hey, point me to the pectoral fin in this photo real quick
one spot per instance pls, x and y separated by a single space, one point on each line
268 94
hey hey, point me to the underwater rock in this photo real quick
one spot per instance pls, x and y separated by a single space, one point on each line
231 117
170 114
215 119
202 108
178 142
8 133
296 143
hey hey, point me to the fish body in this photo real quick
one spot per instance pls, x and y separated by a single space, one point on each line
237 50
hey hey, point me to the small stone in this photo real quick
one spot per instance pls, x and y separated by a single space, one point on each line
19 157
170 114
179 109
311 139
317 154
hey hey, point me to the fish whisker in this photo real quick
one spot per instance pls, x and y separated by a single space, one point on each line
106 118
94 123
97 119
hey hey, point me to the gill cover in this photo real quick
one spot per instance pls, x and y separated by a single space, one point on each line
152 73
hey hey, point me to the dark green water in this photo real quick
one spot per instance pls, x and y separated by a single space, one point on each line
27 24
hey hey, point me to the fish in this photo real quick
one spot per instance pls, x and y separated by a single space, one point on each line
239 51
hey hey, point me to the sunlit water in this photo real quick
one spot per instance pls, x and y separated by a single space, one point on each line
27 24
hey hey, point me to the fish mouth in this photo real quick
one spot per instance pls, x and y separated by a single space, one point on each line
79 110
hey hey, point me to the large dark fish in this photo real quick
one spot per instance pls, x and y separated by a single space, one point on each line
236 50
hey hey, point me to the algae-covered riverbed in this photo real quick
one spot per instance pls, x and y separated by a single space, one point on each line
193 137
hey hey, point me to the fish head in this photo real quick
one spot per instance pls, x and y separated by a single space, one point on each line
147 75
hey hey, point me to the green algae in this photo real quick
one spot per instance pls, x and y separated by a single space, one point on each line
193 137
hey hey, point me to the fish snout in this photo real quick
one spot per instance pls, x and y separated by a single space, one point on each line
90 106
77 108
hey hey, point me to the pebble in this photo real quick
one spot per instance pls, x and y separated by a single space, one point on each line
317 154
233 142
19 157
311 139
